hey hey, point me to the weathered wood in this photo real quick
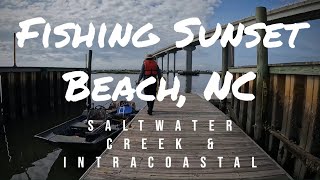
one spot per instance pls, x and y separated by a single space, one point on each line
58 87
33 82
43 88
277 95
174 64
230 55
262 77
224 69
287 116
189 50
242 69
308 124
233 116
162 63
297 111
243 107
236 102
36 69
89 80
14 50
227 144
65 103
12 95
168 57
251 109
308 69
29 93
23 94
310 160
232 96
1 99
64 87
51 90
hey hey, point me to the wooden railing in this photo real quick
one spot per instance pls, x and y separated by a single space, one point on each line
283 116
292 126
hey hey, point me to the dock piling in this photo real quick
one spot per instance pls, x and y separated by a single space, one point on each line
174 64
262 77
168 57
189 50
14 50
89 80
226 56
162 63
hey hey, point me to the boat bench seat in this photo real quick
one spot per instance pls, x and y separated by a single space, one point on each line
68 139
82 125
79 125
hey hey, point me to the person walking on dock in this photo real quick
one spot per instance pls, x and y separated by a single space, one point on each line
150 68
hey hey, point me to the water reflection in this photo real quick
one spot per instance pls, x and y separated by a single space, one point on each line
40 168
24 157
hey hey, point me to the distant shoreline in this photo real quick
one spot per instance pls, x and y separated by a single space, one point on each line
116 71
126 71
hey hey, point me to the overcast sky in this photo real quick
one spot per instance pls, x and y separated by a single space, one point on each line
161 13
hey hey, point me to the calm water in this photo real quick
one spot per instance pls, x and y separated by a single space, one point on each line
24 157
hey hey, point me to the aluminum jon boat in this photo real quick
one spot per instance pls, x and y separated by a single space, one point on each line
74 135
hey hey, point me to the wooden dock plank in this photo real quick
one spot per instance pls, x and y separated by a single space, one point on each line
228 144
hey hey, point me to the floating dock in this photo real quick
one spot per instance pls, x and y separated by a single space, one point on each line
227 144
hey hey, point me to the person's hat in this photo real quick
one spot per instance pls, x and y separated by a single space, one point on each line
149 56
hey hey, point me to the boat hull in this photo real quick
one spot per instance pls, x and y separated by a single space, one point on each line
100 143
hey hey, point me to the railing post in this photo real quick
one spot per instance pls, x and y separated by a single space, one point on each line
1 102
89 80
224 69
227 61
262 77
14 50
189 50
162 63
86 58
174 64
168 57
230 55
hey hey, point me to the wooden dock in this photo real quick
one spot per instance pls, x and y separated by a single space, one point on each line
227 144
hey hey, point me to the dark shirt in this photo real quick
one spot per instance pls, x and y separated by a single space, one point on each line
142 75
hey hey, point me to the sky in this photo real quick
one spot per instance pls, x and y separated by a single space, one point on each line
162 14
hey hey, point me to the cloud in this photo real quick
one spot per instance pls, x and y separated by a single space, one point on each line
161 13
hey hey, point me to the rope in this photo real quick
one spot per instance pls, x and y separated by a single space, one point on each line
7 144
